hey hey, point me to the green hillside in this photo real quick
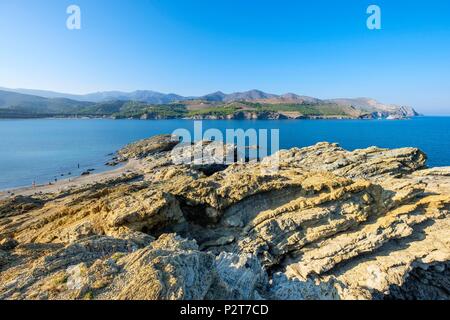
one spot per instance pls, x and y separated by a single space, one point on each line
16 105
33 105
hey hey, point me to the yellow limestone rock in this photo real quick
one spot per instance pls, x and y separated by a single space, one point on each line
329 224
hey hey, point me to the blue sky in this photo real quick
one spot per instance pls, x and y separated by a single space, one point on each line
318 48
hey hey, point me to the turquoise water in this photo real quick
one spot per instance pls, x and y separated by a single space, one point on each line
42 150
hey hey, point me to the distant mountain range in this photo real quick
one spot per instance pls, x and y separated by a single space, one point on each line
147 96
151 104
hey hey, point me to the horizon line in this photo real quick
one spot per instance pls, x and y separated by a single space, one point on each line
193 96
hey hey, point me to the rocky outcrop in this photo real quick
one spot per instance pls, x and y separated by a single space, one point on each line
148 147
327 224
367 163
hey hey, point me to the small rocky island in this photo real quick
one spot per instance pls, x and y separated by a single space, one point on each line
329 224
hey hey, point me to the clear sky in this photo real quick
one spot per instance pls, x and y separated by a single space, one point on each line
318 48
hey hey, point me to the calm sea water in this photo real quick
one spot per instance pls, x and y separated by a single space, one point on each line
45 149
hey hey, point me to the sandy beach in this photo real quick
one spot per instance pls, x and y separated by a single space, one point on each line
66 184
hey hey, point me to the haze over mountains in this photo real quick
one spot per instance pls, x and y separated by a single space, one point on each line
139 95
36 102
154 97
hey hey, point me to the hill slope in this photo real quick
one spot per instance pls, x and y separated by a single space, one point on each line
23 105
253 104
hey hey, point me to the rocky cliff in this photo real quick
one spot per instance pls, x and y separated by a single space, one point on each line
328 224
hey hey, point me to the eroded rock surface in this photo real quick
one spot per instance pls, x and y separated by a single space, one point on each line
328 224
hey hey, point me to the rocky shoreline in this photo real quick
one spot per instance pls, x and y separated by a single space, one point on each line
285 115
329 224
243 115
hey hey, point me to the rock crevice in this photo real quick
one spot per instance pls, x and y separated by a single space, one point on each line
329 224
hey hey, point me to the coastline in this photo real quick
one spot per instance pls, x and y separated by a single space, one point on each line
131 166
330 206
20 186
275 117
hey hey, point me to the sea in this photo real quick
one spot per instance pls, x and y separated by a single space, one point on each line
45 150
